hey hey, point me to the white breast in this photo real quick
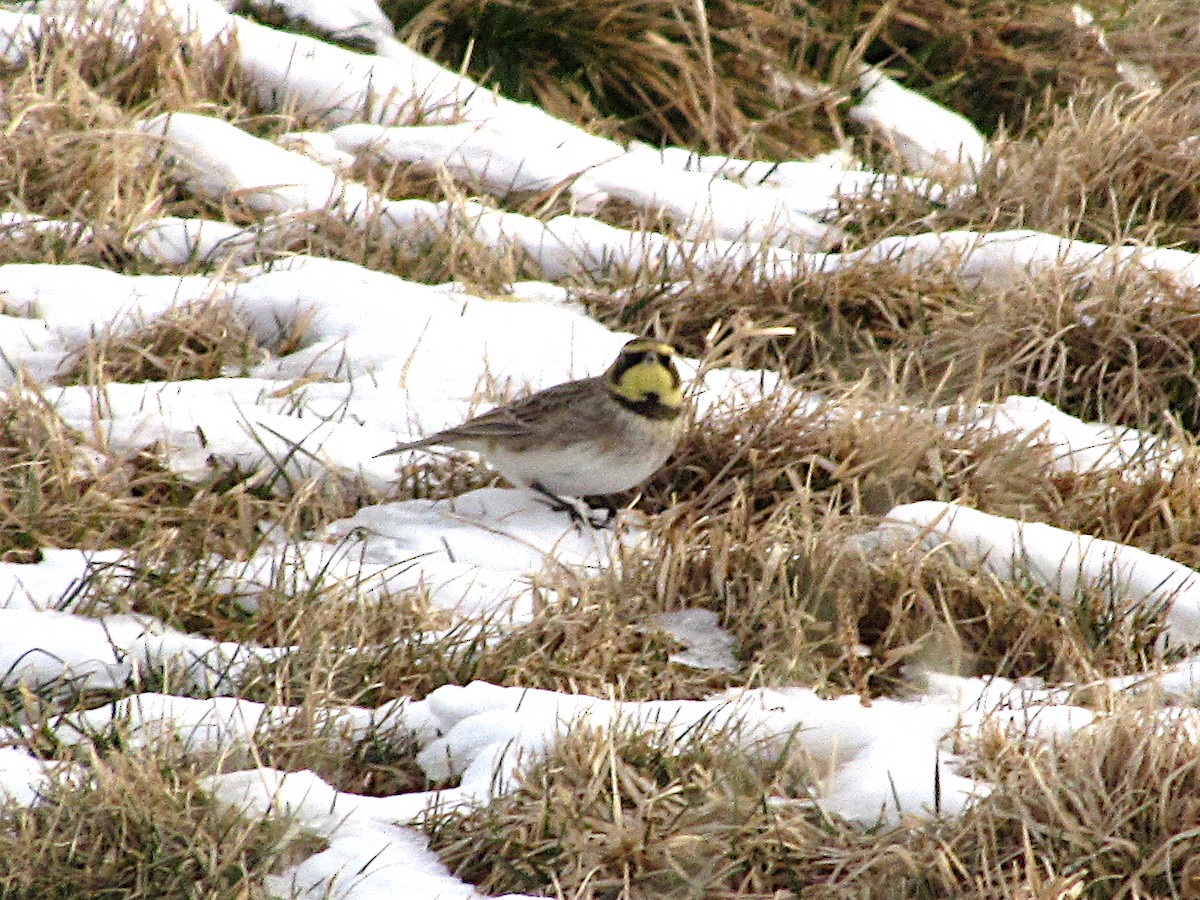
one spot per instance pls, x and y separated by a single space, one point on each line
577 473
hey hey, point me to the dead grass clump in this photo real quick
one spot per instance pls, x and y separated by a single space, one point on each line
929 608
847 454
381 762
440 255
60 242
748 498
185 519
1115 347
756 518
583 637
904 208
629 815
616 814
807 606
1112 811
997 61
142 60
846 321
139 827
987 60
1159 34
402 647
714 78
178 592
599 640
185 542
71 148
397 180
1111 167
1120 350
71 153
621 213
53 491
1159 514
771 586
378 765
208 340
57 492
672 73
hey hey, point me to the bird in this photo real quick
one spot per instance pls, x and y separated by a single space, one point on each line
585 438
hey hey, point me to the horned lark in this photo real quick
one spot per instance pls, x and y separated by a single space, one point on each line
594 436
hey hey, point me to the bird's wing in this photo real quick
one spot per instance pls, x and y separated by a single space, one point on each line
524 418
501 422
521 418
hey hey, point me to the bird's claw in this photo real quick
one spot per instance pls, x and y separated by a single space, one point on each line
580 512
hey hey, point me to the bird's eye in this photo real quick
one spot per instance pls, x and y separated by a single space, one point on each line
664 359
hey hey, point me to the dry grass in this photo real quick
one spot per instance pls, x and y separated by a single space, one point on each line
845 321
72 150
58 490
1111 166
435 257
756 514
994 60
599 639
706 78
667 72
617 814
1113 809
1108 813
206 341
1112 347
139 827
378 765
1119 350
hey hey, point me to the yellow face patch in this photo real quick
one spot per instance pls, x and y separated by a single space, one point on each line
644 376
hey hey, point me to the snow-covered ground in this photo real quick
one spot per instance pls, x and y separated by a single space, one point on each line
399 359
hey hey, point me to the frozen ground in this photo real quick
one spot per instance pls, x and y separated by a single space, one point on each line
398 359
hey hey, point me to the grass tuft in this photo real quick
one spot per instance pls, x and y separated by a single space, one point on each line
1109 166
713 77
205 341
1116 349
139 827
620 814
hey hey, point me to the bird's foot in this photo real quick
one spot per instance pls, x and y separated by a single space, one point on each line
580 512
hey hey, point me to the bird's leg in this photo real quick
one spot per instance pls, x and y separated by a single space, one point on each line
578 510
608 503
557 503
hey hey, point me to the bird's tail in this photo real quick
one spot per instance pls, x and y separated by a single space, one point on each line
409 445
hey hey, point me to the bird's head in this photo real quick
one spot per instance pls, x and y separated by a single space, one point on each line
643 378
